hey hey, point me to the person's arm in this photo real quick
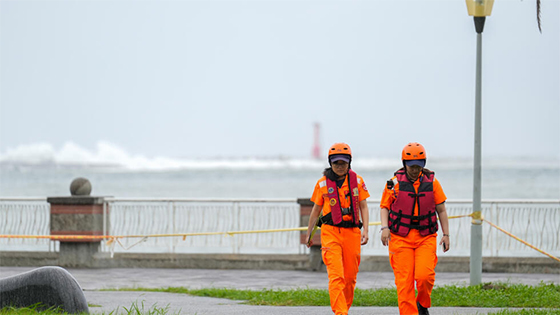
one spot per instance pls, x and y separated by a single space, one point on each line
387 200
444 220
312 219
385 233
364 211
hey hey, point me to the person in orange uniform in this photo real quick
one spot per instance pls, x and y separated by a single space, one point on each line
341 196
409 225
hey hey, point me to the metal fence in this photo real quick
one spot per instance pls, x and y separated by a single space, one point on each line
25 216
535 221
162 216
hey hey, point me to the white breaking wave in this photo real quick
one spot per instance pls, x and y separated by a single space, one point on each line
110 155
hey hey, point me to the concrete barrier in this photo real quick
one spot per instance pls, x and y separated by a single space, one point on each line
273 262
80 215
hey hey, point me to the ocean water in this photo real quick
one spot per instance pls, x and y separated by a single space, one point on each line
39 170
270 178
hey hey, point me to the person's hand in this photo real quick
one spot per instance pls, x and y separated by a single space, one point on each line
365 236
445 242
385 237
310 243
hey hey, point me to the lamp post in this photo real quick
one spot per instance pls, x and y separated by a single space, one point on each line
479 9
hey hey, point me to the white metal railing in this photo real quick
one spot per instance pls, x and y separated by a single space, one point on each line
171 216
25 216
535 221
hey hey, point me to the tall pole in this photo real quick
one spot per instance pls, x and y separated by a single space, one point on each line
476 226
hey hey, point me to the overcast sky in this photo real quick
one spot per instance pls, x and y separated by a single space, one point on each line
239 78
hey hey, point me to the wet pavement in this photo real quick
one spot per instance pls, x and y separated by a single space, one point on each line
105 302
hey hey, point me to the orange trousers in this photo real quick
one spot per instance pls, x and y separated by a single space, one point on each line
413 259
341 254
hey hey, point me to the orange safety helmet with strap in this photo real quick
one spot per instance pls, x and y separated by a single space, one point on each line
414 151
340 149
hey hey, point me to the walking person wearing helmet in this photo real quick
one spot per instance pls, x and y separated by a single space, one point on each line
409 226
341 196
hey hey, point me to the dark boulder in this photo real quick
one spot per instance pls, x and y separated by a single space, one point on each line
48 286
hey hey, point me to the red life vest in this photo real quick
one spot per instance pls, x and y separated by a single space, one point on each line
336 212
401 214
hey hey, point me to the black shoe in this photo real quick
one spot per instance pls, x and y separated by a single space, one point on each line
422 310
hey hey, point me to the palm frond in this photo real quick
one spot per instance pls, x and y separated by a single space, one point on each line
539 15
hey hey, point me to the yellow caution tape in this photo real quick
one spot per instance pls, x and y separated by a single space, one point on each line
522 241
460 216
112 239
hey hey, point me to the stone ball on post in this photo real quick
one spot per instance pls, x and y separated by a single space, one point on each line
80 187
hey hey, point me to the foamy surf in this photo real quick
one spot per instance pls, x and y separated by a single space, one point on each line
109 155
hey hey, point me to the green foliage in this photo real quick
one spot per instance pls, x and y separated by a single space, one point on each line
37 309
498 295
540 299
134 309
483 295
32 310
296 297
377 297
528 312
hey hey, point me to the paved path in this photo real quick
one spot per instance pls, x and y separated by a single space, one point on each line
91 280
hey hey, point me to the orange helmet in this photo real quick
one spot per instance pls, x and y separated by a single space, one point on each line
413 151
340 148
340 151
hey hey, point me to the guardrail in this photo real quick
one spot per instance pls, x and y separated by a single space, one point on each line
25 216
170 216
535 221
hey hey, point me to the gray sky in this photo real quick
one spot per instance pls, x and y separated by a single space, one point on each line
238 78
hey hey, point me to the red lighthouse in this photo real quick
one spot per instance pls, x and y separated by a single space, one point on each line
316 152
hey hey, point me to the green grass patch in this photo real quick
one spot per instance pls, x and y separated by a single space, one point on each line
528 312
482 295
33 309
498 295
136 309
38 309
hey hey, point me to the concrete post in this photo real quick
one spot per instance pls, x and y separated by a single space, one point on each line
476 226
315 259
80 215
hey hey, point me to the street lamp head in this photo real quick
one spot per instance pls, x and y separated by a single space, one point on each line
479 8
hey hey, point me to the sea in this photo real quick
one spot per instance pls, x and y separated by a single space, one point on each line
40 171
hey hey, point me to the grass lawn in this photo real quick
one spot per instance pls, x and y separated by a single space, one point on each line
531 300
482 295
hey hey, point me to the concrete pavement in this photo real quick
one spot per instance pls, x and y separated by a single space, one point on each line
92 280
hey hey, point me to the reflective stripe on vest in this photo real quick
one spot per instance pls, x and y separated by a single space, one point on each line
401 214
334 202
